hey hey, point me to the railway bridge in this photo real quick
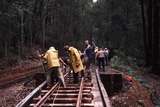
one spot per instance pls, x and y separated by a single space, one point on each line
89 92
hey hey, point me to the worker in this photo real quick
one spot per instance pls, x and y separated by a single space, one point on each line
96 58
53 61
100 56
75 62
88 53
106 51
84 60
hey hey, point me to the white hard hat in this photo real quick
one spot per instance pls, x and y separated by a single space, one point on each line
52 48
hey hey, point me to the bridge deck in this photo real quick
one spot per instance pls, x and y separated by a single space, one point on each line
96 92
89 93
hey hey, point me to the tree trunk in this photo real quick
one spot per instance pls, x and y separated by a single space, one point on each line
43 19
6 49
149 36
22 31
31 32
146 47
155 44
44 32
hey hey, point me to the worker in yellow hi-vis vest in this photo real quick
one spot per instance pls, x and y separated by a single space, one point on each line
75 61
54 72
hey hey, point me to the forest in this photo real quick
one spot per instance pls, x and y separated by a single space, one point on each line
130 29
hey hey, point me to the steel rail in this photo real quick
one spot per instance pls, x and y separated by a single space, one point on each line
56 94
31 95
45 97
15 78
79 100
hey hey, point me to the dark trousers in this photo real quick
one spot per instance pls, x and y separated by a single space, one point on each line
101 62
106 59
76 76
55 74
52 75
88 63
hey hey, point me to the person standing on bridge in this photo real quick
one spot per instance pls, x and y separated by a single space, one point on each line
88 54
53 62
106 51
96 58
100 56
75 62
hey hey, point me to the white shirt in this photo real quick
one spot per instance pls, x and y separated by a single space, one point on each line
101 54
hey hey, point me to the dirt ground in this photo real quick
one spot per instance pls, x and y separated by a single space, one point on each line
12 80
152 83
132 95
139 90
10 96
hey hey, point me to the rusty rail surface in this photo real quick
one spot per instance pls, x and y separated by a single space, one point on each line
26 100
79 100
45 97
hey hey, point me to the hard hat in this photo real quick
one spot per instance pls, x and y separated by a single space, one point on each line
52 48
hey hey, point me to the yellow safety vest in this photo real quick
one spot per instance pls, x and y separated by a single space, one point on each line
75 60
52 58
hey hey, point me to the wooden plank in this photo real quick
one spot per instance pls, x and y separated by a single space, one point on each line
96 92
63 95
66 97
65 105
31 95
73 95
73 91
88 84
105 98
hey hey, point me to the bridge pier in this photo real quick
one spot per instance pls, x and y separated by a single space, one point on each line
112 81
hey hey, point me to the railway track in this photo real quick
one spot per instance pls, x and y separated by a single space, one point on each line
18 75
73 95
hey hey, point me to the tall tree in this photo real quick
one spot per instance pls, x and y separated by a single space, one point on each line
146 48
155 36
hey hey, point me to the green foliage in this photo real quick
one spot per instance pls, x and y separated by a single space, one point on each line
111 23
119 26
121 61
